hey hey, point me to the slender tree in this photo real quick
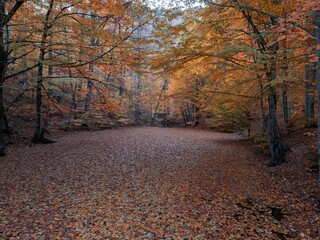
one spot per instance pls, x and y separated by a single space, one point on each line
38 134
5 18
317 21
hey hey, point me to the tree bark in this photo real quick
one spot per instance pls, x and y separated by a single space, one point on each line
137 103
261 103
88 96
4 19
284 89
317 21
73 105
3 55
277 147
285 112
159 100
2 71
38 132
309 97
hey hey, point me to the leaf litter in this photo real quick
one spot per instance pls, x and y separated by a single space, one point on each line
154 183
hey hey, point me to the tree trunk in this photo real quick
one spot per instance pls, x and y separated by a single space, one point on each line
284 89
88 96
74 99
3 58
73 105
183 113
38 132
159 100
4 19
285 112
309 96
318 77
261 103
277 147
2 71
137 104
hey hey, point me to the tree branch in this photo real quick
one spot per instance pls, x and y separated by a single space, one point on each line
13 11
262 12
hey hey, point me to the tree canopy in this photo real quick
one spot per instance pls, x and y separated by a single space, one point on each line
234 65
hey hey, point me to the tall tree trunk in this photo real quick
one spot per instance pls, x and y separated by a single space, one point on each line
285 112
2 71
73 105
183 112
3 60
277 147
137 104
50 73
261 103
309 96
159 100
94 42
38 132
74 100
88 96
317 21
4 19
284 89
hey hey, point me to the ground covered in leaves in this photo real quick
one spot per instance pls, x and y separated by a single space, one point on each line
155 183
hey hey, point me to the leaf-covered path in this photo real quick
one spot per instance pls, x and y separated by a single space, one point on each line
144 183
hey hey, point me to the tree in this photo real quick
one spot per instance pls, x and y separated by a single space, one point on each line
38 134
99 31
239 42
277 147
317 31
69 43
5 18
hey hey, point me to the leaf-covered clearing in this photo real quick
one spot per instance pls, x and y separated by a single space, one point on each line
155 183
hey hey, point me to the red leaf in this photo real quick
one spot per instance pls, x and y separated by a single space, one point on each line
269 44
313 58
309 49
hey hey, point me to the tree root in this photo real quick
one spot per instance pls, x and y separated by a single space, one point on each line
42 140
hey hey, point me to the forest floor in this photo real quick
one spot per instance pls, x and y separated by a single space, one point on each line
156 183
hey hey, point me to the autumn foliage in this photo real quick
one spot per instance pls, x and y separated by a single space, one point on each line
67 60
249 68
245 65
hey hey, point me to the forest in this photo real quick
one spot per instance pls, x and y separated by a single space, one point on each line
149 119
